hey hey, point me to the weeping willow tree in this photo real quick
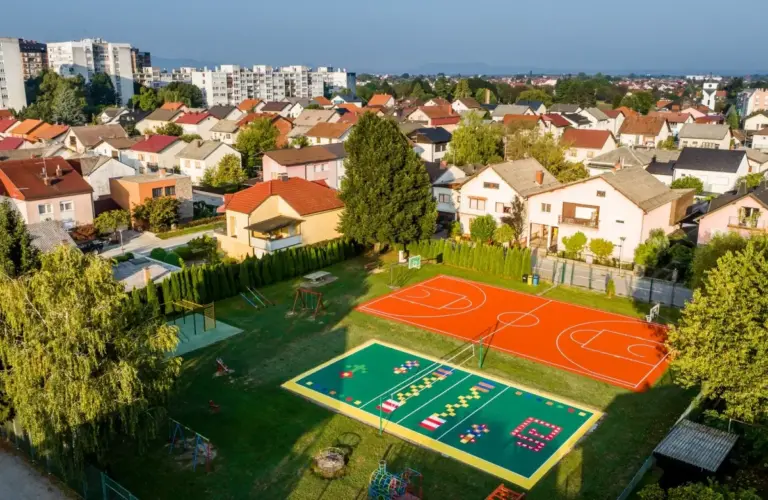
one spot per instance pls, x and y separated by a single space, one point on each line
85 363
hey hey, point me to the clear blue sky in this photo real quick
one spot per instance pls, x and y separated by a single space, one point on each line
678 36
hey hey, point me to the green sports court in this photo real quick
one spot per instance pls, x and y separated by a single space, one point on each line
505 429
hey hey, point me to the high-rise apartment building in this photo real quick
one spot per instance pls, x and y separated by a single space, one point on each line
90 56
231 84
12 93
153 77
34 58
140 60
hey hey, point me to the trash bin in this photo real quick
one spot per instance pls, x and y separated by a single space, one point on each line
530 279
525 278
535 280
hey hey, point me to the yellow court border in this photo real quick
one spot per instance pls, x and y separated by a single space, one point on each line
432 444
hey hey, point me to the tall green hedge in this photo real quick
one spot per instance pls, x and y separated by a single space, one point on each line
208 283
507 262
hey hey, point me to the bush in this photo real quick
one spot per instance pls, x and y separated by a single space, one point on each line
171 258
575 243
123 258
481 229
601 248
688 183
158 253
610 288
647 254
200 222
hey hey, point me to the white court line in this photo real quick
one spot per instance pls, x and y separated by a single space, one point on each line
576 368
425 404
632 336
454 301
633 353
397 294
651 371
481 407
387 295
582 343
460 295
417 303
618 356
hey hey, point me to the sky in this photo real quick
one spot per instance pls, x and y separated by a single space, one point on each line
491 36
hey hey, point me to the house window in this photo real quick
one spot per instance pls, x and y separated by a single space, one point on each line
444 198
500 209
546 207
476 204
157 192
115 153
198 165
73 141
601 194
141 157
66 206
619 221
45 209
490 185
170 190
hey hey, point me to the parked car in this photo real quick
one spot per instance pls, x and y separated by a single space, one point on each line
91 246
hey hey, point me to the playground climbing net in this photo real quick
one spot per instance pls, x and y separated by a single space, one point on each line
385 485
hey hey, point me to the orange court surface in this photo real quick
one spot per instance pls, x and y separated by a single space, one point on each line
612 348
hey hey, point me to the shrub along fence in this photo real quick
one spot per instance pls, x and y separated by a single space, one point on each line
510 262
208 283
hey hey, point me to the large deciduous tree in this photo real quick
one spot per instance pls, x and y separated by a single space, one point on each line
67 106
524 140
386 190
170 128
462 89
535 95
705 256
229 172
721 341
476 142
159 214
112 221
259 136
100 92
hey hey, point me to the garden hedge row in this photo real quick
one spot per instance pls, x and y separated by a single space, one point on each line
508 262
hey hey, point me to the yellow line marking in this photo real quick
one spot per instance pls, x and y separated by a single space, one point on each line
430 443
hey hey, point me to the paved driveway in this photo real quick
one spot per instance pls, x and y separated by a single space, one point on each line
21 481
145 242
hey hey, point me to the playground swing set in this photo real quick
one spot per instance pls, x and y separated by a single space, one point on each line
189 313
308 300
203 449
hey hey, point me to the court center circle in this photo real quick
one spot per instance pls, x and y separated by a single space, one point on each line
517 319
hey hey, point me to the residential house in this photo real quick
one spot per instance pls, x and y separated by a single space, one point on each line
24 129
48 235
156 119
225 131
584 145
174 106
757 160
597 118
644 131
698 135
694 112
198 156
98 170
298 105
197 123
621 206
430 143
711 119
446 187
323 102
114 148
311 117
382 100
518 122
503 110
345 99
434 116
753 123
465 104
82 139
14 143
615 120
577 120
743 211
718 169
282 124
281 108
625 156
132 190
760 140
561 108
279 214
538 107
313 163
37 151
555 124
329 133
250 106
493 189
6 125
226 112
111 115
153 153
675 120
47 189
48 133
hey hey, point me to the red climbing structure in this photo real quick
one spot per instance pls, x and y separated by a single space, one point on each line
503 493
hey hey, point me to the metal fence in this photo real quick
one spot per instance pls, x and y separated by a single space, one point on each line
94 485
595 277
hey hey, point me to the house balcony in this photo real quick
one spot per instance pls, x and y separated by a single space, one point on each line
574 221
747 223
273 245
277 233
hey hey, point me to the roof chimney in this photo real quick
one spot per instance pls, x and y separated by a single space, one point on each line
539 177
617 166
58 171
146 137
487 96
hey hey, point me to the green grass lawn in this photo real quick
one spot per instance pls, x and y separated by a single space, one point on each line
191 230
265 436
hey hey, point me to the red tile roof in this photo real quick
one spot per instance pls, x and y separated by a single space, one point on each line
11 143
248 104
352 108
642 125
379 100
627 112
613 113
172 106
587 139
5 114
349 118
671 117
556 120
26 127
47 131
433 112
521 118
154 144
322 100
7 123
710 119
329 130
252 117
439 101
24 179
192 118
306 197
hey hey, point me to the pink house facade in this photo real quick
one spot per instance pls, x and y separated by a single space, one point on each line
743 213
313 163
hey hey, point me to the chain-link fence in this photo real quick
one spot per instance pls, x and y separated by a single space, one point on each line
94 485
594 277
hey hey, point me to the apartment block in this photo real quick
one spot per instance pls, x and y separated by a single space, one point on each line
12 93
752 100
90 56
34 58
231 84
154 77
140 60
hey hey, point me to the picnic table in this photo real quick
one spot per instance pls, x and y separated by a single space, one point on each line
317 277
